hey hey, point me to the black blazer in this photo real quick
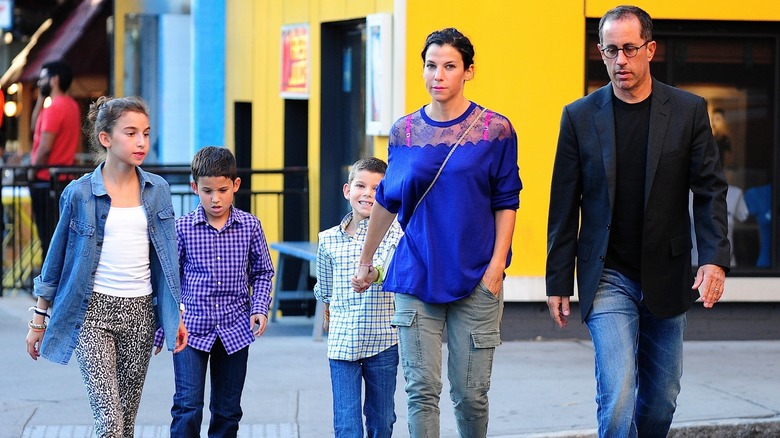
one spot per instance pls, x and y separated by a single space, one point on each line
681 155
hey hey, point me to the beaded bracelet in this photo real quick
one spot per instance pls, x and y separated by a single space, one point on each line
36 327
366 265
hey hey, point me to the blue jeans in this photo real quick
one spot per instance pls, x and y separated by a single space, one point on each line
379 373
638 360
472 334
228 373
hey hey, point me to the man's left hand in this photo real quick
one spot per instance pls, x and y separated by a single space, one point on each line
711 282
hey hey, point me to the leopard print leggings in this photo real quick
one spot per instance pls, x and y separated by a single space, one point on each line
113 351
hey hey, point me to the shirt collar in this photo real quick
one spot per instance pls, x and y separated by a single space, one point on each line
362 226
99 185
200 216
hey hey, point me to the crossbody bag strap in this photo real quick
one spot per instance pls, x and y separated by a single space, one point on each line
447 158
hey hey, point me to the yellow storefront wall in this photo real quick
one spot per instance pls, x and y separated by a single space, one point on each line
746 10
527 68
529 64
253 75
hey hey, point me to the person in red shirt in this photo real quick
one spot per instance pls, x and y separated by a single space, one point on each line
57 125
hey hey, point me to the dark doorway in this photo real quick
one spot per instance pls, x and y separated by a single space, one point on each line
342 132
295 206
243 143
296 143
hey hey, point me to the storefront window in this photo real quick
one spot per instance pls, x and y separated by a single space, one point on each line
734 67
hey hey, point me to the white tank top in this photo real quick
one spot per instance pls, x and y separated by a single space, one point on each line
123 269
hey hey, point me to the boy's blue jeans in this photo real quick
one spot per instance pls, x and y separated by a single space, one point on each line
472 334
638 360
379 373
228 373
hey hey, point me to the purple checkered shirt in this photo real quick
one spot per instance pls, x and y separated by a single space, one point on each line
217 268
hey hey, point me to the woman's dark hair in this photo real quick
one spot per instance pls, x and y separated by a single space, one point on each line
103 114
451 37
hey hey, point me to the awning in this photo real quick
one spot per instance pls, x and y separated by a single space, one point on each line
53 41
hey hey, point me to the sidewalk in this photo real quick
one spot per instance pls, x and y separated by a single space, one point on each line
540 389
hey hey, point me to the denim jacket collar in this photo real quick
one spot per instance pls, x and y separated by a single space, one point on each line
99 187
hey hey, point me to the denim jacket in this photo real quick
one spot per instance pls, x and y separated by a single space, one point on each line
68 275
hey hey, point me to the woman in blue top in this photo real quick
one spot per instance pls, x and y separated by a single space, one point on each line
449 266
111 274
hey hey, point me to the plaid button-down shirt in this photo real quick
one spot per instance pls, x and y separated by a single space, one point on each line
359 322
217 268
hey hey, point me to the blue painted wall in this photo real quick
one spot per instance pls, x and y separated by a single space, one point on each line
208 73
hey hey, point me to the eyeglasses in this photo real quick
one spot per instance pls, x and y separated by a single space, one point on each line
611 52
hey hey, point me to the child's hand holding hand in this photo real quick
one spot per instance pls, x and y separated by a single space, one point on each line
361 280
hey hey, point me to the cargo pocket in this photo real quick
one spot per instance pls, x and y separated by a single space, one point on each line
487 292
483 345
403 318
408 336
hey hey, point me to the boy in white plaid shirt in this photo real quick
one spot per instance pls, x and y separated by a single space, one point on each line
362 345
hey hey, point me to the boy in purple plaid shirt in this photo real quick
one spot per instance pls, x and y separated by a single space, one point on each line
222 253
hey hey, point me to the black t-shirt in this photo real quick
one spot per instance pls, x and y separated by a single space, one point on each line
624 252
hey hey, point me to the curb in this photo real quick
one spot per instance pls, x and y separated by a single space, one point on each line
729 428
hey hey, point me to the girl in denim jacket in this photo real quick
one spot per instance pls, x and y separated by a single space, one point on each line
110 275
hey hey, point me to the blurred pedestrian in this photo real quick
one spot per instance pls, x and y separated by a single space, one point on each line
56 120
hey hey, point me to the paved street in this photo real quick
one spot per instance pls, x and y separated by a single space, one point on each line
540 389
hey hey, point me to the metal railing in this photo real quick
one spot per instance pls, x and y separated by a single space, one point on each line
20 251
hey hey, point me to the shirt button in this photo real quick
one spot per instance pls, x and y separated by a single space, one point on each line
601 258
218 258
219 283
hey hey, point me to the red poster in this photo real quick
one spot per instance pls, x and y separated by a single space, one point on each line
295 62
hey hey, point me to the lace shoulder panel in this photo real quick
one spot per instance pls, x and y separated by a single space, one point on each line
412 130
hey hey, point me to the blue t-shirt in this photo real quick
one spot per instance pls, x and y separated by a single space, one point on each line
448 241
